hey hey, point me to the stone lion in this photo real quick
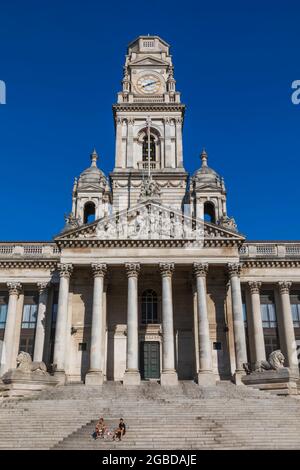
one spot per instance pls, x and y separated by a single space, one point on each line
25 364
274 362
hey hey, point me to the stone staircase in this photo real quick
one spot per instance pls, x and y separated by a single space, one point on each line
183 417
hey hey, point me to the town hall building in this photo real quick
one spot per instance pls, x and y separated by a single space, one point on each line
150 278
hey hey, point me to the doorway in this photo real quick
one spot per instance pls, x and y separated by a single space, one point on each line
150 360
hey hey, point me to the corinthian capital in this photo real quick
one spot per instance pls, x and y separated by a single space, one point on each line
234 269
254 287
65 269
14 288
200 269
42 287
99 269
284 287
166 269
132 269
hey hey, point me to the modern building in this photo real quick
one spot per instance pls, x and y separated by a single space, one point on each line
150 278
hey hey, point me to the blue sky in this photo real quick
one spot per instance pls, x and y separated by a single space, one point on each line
234 64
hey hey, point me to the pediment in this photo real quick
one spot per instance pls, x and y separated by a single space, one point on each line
89 187
153 222
149 60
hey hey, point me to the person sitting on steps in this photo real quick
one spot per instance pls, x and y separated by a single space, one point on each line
120 431
100 429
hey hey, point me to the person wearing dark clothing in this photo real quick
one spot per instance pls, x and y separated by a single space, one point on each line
120 431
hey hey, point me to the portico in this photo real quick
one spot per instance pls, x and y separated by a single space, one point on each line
150 278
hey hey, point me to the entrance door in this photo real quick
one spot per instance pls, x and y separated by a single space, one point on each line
150 360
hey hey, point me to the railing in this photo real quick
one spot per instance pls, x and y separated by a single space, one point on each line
149 99
28 250
270 250
144 165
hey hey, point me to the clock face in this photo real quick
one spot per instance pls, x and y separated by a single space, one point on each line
149 84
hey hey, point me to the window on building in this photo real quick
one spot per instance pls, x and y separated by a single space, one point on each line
89 213
28 325
268 312
3 310
152 149
244 309
269 321
271 344
29 316
295 305
209 212
53 324
149 307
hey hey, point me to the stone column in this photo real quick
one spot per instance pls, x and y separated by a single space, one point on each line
168 162
132 374
238 321
95 373
205 373
65 271
179 142
41 322
118 156
257 326
195 329
8 361
288 327
169 374
130 124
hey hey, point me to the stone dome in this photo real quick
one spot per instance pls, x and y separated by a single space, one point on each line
207 176
92 175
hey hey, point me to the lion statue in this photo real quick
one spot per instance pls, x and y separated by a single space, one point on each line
25 364
274 362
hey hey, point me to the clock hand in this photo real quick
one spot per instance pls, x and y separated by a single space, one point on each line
147 84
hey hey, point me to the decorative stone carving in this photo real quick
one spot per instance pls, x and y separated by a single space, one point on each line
65 270
254 287
99 269
228 223
149 221
42 287
234 269
25 364
200 269
14 288
166 269
132 269
284 287
275 362
149 189
71 222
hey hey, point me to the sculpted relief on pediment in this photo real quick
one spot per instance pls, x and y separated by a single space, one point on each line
149 221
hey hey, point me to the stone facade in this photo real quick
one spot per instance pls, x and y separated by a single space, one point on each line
150 278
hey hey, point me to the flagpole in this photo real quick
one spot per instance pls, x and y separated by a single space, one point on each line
148 124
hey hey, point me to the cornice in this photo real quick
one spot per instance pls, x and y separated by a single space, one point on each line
35 264
260 263
142 107
126 243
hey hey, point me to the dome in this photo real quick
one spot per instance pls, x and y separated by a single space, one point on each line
93 174
206 175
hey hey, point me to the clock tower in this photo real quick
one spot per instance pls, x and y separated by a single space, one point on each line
148 121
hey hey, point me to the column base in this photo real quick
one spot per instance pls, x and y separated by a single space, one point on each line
132 377
60 375
168 379
237 377
206 378
94 377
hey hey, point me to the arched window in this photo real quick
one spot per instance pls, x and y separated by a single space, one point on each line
89 213
209 212
152 149
149 307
